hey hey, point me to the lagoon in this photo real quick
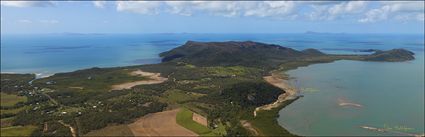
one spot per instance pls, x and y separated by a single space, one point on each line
386 95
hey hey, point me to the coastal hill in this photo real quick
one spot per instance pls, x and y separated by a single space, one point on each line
222 83
230 53
254 54
394 55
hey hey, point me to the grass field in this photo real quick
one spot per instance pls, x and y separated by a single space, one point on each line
227 71
184 118
12 111
220 130
179 96
116 130
6 122
90 79
11 100
17 131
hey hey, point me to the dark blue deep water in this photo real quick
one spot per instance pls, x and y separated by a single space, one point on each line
50 53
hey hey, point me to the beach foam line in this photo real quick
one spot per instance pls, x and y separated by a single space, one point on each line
37 75
8 72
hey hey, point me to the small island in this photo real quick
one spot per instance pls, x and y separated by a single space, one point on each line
200 88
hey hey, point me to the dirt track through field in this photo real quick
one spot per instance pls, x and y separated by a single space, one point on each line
250 128
159 124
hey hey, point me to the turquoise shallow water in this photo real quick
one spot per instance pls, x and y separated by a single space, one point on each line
391 95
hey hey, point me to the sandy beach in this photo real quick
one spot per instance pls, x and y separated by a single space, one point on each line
153 78
344 102
290 91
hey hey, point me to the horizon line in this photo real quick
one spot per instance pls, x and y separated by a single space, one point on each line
307 32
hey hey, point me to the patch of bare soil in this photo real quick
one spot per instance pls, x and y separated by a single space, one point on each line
153 78
200 119
111 131
80 88
159 124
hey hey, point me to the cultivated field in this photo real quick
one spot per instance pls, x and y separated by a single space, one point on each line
8 115
160 124
116 130
185 118
17 131
10 100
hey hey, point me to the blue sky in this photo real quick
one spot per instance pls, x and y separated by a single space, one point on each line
211 16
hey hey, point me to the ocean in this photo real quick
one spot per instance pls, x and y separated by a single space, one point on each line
391 95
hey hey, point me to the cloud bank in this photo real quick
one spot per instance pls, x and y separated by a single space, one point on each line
404 11
358 11
361 11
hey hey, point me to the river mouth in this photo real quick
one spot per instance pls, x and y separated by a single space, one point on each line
342 97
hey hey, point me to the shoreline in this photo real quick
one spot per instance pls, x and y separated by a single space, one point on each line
291 92
271 111
37 74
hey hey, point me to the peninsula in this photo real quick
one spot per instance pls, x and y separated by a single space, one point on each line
200 88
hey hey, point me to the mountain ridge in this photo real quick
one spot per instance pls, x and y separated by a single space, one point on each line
256 54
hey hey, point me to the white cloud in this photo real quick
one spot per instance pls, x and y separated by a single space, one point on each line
313 10
218 8
317 3
402 11
180 7
376 15
49 21
278 9
22 4
141 7
99 4
420 17
348 7
405 6
24 21
335 10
